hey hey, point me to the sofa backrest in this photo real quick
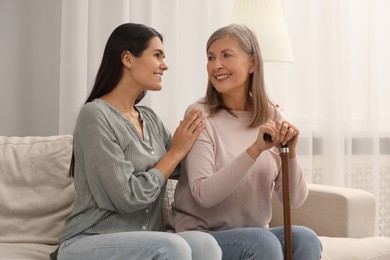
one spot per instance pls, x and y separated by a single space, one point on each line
36 194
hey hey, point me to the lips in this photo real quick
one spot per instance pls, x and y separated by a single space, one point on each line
222 76
158 74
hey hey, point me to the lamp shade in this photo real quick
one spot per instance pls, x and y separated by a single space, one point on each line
265 17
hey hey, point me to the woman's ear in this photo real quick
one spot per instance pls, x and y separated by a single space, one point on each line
127 59
252 66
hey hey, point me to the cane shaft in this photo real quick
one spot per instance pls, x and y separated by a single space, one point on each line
286 204
286 200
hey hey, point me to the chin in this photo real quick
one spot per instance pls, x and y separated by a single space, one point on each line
220 90
155 88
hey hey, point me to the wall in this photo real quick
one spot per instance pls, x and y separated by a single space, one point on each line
30 34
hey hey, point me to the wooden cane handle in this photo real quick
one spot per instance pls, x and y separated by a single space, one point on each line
267 137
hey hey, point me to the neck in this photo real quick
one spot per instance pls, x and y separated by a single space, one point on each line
237 103
122 98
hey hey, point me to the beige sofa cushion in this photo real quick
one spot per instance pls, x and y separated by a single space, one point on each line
35 193
341 248
25 251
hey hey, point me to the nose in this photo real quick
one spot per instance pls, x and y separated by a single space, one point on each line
218 64
163 65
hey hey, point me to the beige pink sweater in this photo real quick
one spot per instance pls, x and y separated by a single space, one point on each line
221 186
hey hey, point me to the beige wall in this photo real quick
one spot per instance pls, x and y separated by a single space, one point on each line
30 32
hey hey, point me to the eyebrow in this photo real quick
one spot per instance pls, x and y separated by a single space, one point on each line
160 51
224 50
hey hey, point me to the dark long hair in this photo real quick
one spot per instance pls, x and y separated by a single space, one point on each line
126 37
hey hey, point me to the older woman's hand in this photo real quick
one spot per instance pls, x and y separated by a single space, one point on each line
288 133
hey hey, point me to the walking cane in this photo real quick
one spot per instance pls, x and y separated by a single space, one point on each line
286 200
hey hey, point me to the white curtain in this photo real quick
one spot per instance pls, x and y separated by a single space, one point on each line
336 91
185 26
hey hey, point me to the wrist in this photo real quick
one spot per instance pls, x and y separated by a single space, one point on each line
175 155
254 151
292 154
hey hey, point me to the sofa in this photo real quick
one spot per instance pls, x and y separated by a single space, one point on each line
36 196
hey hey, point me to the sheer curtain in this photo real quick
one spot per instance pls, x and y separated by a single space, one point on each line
336 91
185 26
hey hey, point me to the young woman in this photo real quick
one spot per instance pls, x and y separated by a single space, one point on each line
231 172
123 154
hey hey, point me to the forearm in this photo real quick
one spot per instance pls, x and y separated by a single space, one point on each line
210 188
168 163
254 151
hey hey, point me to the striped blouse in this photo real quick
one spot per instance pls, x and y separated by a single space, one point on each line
117 187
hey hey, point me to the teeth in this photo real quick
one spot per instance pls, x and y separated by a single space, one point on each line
222 76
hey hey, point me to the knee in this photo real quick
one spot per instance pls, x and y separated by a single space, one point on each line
203 245
175 247
305 236
267 242
208 242
306 241
258 243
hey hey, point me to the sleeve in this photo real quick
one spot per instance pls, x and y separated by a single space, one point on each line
111 178
210 187
168 144
298 187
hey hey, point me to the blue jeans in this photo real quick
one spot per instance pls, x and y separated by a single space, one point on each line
267 244
141 245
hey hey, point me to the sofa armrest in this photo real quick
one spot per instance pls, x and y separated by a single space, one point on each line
332 211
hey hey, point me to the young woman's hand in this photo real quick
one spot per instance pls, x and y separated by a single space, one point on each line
183 139
187 131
